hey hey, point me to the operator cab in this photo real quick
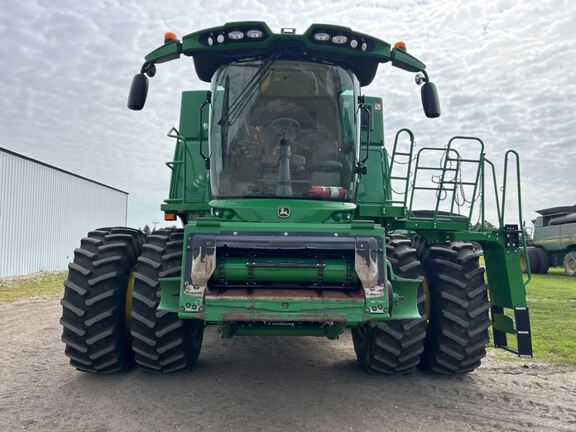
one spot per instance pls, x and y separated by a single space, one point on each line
284 129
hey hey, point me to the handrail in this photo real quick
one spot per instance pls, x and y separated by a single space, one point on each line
174 133
392 159
520 217
441 184
479 171
483 201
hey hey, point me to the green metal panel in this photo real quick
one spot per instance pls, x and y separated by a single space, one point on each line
350 310
235 269
189 192
371 190
189 183
207 58
556 237
267 210
504 275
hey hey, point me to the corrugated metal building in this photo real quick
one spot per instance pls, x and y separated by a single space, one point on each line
45 211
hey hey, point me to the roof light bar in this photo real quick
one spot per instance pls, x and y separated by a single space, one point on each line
339 39
236 35
321 37
254 34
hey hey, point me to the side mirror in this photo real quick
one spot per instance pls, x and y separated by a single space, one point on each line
430 101
138 92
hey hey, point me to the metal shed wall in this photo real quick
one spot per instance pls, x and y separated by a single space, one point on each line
45 211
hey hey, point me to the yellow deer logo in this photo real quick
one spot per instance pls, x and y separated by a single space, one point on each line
283 212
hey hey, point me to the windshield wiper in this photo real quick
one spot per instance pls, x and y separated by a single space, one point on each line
231 114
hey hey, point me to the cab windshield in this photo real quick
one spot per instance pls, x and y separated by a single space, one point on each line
282 128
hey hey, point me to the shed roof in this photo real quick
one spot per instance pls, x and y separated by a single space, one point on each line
10 152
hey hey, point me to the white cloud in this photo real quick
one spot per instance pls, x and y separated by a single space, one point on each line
504 69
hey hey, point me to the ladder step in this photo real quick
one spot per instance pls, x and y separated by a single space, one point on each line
459 183
463 160
401 154
436 169
434 189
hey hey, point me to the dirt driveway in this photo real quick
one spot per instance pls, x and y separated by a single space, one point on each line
263 384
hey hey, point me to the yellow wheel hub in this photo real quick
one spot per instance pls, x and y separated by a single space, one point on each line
523 265
128 303
426 289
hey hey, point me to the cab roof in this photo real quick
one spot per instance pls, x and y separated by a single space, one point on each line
217 46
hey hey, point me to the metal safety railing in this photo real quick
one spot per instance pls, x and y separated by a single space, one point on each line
501 216
402 177
180 142
449 183
448 180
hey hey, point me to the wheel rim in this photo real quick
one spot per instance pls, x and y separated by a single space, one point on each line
426 289
128 302
523 265
571 264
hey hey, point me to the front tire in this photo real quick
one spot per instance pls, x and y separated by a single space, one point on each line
395 346
94 303
533 260
543 260
458 326
161 341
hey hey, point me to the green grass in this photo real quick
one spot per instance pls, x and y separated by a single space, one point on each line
37 285
551 299
552 305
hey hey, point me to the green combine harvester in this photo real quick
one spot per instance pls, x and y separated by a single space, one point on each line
298 221
553 242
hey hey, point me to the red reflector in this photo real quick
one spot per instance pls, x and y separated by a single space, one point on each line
327 192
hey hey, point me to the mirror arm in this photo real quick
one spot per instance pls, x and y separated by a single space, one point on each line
149 69
421 77
360 165
368 109
207 101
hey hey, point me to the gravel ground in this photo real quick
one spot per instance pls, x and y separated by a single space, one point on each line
264 384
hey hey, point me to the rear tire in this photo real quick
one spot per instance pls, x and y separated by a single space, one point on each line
162 342
570 263
94 303
543 260
394 346
458 327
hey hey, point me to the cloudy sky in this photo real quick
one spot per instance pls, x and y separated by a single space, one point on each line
505 71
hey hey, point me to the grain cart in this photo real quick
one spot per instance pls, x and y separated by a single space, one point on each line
554 240
298 221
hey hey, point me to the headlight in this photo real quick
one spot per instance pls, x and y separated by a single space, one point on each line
339 39
353 43
220 38
321 37
254 34
210 41
236 35
364 46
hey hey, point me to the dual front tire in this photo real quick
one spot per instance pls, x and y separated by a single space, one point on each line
110 319
452 335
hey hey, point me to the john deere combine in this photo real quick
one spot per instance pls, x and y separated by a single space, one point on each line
297 221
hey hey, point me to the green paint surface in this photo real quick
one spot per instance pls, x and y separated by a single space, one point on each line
372 211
